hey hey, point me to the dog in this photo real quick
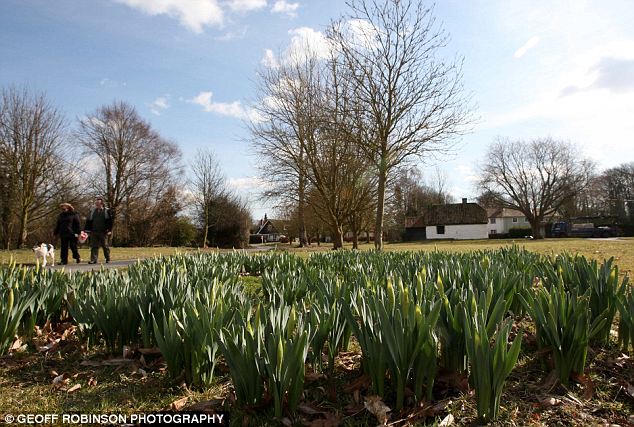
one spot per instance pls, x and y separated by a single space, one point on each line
44 251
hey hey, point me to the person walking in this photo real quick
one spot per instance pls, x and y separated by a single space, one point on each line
68 229
99 226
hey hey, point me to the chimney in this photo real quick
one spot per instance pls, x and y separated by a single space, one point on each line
464 200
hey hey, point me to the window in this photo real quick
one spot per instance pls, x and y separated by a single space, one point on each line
493 232
525 219
491 220
440 229
514 219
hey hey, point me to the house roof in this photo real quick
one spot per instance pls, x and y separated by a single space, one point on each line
414 222
503 213
264 227
271 226
449 214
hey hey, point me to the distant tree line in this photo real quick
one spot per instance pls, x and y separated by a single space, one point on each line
111 153
547 180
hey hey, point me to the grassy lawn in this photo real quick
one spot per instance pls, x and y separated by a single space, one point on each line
621 249
26 256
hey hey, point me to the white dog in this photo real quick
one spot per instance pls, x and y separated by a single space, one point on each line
44 251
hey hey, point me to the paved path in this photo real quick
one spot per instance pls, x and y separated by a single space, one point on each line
84 266
259 248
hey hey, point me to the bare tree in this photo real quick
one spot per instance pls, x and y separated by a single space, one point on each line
277 136
412 98
134 165
535 177
362 209
32 149
307 135
335 165
207 183
616 189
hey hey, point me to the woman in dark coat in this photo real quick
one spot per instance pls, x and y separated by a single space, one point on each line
68 229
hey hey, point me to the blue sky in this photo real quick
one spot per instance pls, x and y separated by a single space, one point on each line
560 68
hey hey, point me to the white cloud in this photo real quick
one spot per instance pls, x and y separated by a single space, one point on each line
305 42
233 35
282 6
531 43
230 109
269 60
305 39
613 74
467 172
109 83
246 5
159 105
193 14
249 183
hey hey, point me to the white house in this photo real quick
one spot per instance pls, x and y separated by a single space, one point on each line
501 220
457 221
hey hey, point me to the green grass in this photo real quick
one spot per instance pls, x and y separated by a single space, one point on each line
621 249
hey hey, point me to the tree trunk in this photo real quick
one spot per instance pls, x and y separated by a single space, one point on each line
355 239
23 232
380 210
536 227
367 236
337 241
301 207
206 228
7 229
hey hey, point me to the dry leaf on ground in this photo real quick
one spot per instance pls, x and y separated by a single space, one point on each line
550 401
16 345
74 388
50 346
309 410
360 383
60 381
331 420
179 404
378 408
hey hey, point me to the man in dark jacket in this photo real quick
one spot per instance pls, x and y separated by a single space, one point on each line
99 225
68 229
